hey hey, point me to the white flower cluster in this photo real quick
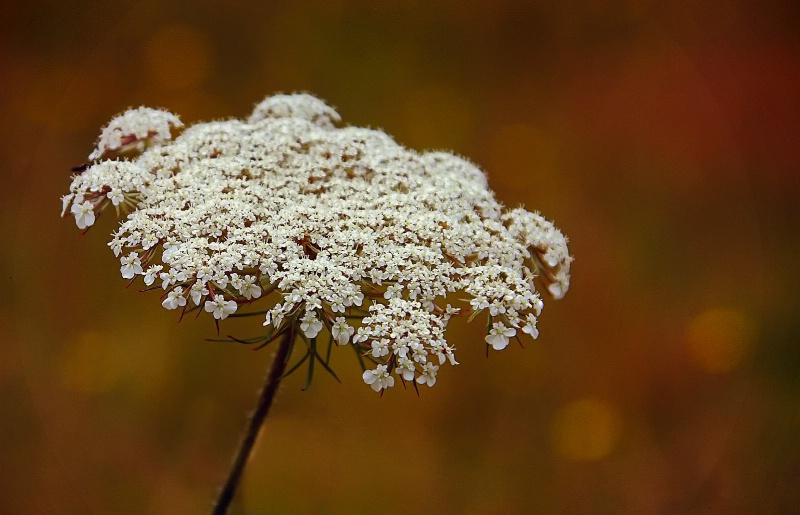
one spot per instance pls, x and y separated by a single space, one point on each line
358 234
134 130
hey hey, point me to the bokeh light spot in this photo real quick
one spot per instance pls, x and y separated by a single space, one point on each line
585 430
178 57
719 338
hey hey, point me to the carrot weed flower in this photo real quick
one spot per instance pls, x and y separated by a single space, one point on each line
359 236
339 230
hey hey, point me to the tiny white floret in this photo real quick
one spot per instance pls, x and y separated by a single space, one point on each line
220 307
530 326
341 331
499 334
84 214
131 266
378 379
310 325
428 374
174 299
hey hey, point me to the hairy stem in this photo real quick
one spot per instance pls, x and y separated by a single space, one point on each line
251 434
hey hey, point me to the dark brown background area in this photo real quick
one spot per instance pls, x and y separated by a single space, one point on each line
661 137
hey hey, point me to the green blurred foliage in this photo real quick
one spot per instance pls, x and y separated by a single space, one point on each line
661 137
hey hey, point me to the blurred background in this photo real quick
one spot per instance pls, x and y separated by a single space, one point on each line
661 137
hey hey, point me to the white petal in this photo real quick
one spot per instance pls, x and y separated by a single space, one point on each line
498 342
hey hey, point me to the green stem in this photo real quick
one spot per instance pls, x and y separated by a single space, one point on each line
254 426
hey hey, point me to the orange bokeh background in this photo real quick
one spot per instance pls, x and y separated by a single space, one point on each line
661 137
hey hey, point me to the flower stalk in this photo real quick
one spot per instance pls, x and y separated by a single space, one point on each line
255 424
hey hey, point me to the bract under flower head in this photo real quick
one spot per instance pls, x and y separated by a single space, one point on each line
328 217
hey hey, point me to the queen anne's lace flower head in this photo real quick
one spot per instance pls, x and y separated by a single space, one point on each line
348 231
